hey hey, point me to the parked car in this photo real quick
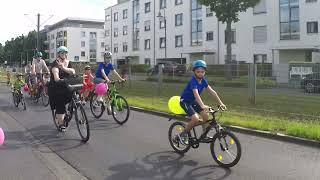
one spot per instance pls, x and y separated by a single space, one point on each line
311 83
169 68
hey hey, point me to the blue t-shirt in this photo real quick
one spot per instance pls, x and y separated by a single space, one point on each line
107 68
187 94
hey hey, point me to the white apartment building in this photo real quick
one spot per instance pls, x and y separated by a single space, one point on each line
85 39
275 31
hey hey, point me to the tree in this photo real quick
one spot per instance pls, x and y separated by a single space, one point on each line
227 11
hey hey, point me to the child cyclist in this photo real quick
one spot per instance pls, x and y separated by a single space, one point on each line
18 83
88 84
191 101
8 77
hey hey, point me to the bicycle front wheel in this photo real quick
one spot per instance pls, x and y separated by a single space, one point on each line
45 97
97 108
120 110
82 123
225 149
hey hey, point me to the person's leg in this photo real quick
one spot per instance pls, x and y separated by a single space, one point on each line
60 113
205 118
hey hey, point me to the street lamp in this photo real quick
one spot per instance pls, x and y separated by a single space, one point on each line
165 30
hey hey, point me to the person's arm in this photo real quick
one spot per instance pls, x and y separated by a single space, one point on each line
33 68
68 69
198 99
55 72
117 74
104 75
216 97
84 79
46 67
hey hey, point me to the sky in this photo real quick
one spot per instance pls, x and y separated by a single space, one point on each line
14 22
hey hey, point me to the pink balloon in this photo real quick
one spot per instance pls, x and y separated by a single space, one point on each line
101 89
2 137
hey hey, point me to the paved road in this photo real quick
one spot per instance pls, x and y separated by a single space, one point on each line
140 150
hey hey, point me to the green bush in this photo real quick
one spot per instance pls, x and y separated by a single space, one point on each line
139 68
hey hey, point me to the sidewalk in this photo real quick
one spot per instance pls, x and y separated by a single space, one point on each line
24 157
18 157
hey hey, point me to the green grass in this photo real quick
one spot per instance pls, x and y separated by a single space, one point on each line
277 113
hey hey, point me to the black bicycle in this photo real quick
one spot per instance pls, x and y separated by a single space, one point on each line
224 146
76 110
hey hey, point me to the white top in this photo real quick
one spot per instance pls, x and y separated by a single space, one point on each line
39 65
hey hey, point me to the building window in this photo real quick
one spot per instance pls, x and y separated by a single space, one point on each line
125 14
147 25
289 20
52 36
83 44
163 4
136 40
65 34
125 30
196 23
209 36
107 48
260 58
147 61
261 7
162 24
107 33
233 36
93 35
115 49
52 55
147 44
179 19
125 47
209 12
178 2
179 41
83 53
312 27
108 17
115 17
115 33
147 7
102 44
83 34
162 42
260 34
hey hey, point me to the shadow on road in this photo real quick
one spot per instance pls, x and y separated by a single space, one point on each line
166 166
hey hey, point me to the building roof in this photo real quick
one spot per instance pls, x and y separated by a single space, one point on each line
74 19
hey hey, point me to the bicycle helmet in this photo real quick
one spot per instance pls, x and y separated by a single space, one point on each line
62 49
199 63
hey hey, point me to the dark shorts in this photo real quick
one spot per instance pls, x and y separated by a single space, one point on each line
191 108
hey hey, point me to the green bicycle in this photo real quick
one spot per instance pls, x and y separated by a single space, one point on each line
116 105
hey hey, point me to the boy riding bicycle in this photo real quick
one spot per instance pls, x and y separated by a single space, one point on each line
191 101
18 83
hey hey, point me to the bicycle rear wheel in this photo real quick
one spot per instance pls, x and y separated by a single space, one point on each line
82 123
120 110
225 149
97 108
175 129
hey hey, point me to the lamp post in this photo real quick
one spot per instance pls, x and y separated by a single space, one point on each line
165 30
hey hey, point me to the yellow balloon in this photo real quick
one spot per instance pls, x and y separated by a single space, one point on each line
174 105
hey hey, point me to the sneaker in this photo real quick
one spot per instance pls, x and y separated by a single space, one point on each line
100 99
184 138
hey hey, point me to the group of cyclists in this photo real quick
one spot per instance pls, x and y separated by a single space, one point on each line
54 78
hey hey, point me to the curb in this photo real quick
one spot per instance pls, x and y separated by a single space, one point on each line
259 133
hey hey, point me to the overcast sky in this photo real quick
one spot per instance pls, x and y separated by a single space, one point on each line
15 23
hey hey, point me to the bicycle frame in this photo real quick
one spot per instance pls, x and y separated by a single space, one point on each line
202 139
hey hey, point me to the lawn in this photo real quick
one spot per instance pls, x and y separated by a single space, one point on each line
277 112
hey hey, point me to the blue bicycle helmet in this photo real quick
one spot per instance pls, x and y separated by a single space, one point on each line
39 54
199 63
62 49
